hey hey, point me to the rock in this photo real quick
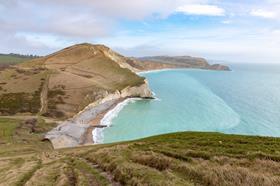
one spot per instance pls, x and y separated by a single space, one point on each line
219 67
100 126
141 91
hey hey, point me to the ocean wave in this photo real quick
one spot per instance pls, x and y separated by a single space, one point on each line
154 71
155 96
97 133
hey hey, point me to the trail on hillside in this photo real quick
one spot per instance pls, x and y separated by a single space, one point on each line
44 96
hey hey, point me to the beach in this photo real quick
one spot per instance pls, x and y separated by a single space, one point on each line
77 131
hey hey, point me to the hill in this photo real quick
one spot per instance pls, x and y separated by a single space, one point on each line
64 83
186 158
160 62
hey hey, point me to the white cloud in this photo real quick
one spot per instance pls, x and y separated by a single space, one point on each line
263 13
237 44
133 9
226 22
197 9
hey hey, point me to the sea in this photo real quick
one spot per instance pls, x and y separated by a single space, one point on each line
243 101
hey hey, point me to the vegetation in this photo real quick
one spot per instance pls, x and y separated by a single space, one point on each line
19 102
190 158
66 82
12 59
62 84
187 158
24 136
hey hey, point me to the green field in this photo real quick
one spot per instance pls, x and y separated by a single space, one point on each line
11 59
187 158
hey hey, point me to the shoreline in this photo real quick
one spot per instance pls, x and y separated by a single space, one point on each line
155 71
73 132
106 120
96 123
86 127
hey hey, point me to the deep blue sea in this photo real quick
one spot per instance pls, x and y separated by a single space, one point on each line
243 101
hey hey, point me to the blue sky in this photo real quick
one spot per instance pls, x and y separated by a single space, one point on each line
238 31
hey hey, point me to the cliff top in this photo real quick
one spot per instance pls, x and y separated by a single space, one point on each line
68 80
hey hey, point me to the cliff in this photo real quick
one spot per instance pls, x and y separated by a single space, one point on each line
161 62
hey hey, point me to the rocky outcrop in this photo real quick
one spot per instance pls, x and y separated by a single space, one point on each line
142 91
219 67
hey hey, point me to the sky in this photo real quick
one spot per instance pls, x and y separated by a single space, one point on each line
230 30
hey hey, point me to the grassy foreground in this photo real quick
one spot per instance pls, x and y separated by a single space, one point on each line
187 158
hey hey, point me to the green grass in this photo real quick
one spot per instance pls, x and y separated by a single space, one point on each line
12 103
86 170
16 137
7 129
185 158
11 59
214 144
25 177
189 158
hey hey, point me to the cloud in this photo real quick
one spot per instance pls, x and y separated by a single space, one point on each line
132 10
43 26
83 18
263 13
202 10
226 22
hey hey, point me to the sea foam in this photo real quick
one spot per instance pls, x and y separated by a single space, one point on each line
97 133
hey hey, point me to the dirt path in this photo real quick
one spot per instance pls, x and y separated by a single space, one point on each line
103 173
44 96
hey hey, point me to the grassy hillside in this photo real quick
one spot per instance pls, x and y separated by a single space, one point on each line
12 59
159 62
61 84
186 158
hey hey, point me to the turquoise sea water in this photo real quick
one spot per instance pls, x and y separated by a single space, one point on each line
244 101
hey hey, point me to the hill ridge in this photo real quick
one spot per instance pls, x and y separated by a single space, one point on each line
97 68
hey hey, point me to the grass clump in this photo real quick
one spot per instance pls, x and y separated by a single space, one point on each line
89 173
12 103
29 174
7 129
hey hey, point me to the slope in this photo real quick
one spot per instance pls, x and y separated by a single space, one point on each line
64 83
186 158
